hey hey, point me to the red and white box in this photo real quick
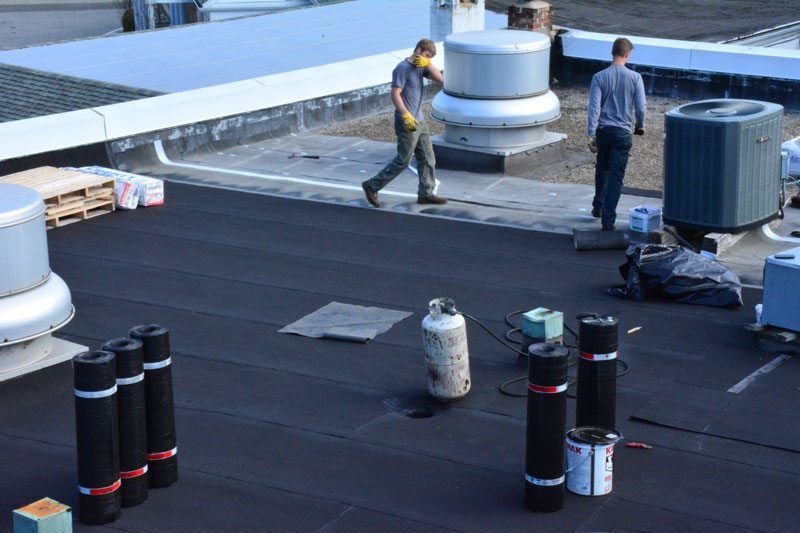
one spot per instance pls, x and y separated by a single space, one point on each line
151 190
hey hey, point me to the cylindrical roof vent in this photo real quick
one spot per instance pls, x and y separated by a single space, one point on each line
496 64
33 301
496 91
23 240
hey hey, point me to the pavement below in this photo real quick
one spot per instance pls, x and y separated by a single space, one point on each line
37 22
330 169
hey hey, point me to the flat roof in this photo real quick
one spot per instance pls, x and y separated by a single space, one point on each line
709 20
200 55
289 433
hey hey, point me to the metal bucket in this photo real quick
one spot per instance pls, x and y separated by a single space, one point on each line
590 460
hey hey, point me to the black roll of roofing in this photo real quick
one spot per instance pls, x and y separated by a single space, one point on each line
97 438
132 424
162 449
546 427
597 372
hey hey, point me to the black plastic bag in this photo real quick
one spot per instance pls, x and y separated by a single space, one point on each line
677 274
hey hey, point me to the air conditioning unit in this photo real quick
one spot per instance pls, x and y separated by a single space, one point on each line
722 164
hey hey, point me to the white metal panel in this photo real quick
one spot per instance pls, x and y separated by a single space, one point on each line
50 132
188 107
170 110
689 55
746 60
666 53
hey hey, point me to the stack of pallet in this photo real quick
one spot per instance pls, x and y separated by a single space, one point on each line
68 195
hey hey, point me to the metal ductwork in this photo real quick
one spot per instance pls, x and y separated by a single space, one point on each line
34 302
496 96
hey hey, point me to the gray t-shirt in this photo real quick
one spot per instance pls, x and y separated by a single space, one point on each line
409 79
613 94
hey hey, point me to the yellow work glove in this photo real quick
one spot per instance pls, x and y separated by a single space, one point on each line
421 61
409 121
592 145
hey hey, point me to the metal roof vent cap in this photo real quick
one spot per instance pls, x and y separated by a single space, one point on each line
23 239
496 99
496 64
33 301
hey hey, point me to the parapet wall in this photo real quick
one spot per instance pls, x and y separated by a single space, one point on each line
686 69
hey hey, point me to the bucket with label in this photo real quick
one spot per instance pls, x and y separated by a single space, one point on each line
590 460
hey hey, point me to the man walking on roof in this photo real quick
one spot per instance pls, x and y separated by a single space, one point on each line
413 137
613 94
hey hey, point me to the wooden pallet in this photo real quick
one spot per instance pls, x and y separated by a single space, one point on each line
69 195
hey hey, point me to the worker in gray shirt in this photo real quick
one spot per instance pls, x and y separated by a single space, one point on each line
413 137
613 95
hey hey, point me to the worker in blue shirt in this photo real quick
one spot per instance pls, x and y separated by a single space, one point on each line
613 95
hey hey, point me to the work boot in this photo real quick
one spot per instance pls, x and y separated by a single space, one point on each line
372 196
597 213
432 199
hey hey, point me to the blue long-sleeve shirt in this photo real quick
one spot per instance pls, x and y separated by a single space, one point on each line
613 94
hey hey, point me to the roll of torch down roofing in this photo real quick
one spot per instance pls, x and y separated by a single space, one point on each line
97 438
546 425
132 425
162 448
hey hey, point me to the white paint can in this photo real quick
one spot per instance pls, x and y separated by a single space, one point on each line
590 460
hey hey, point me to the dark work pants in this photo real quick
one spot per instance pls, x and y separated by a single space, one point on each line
613 147
410 143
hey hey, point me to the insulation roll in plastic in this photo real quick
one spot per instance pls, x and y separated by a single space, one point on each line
597 372
546 426
97 437
132 422
162 448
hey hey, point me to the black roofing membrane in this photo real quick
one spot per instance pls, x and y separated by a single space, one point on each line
278 432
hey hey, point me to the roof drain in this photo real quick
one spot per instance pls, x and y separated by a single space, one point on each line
421 412
496 101
34 302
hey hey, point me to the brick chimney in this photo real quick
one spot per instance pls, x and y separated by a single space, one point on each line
453 16
533 16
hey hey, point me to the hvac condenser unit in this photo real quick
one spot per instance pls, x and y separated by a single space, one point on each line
722 164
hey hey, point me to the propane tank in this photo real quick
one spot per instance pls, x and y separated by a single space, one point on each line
444 338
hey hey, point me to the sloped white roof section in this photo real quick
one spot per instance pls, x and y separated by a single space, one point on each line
201 55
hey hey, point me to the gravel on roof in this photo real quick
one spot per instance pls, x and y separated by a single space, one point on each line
645 167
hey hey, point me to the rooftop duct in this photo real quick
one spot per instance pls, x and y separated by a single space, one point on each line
496 101
34 302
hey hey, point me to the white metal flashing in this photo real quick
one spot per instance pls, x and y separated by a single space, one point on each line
689 55
105 123
50 132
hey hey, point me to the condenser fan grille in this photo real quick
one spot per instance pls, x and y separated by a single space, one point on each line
721 109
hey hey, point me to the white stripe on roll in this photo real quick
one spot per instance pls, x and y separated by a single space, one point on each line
95 393
544 482
131 380
158 364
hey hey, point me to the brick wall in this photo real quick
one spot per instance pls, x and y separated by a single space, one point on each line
533 16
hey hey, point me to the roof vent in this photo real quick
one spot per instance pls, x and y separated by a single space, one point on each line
34 302
496 97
